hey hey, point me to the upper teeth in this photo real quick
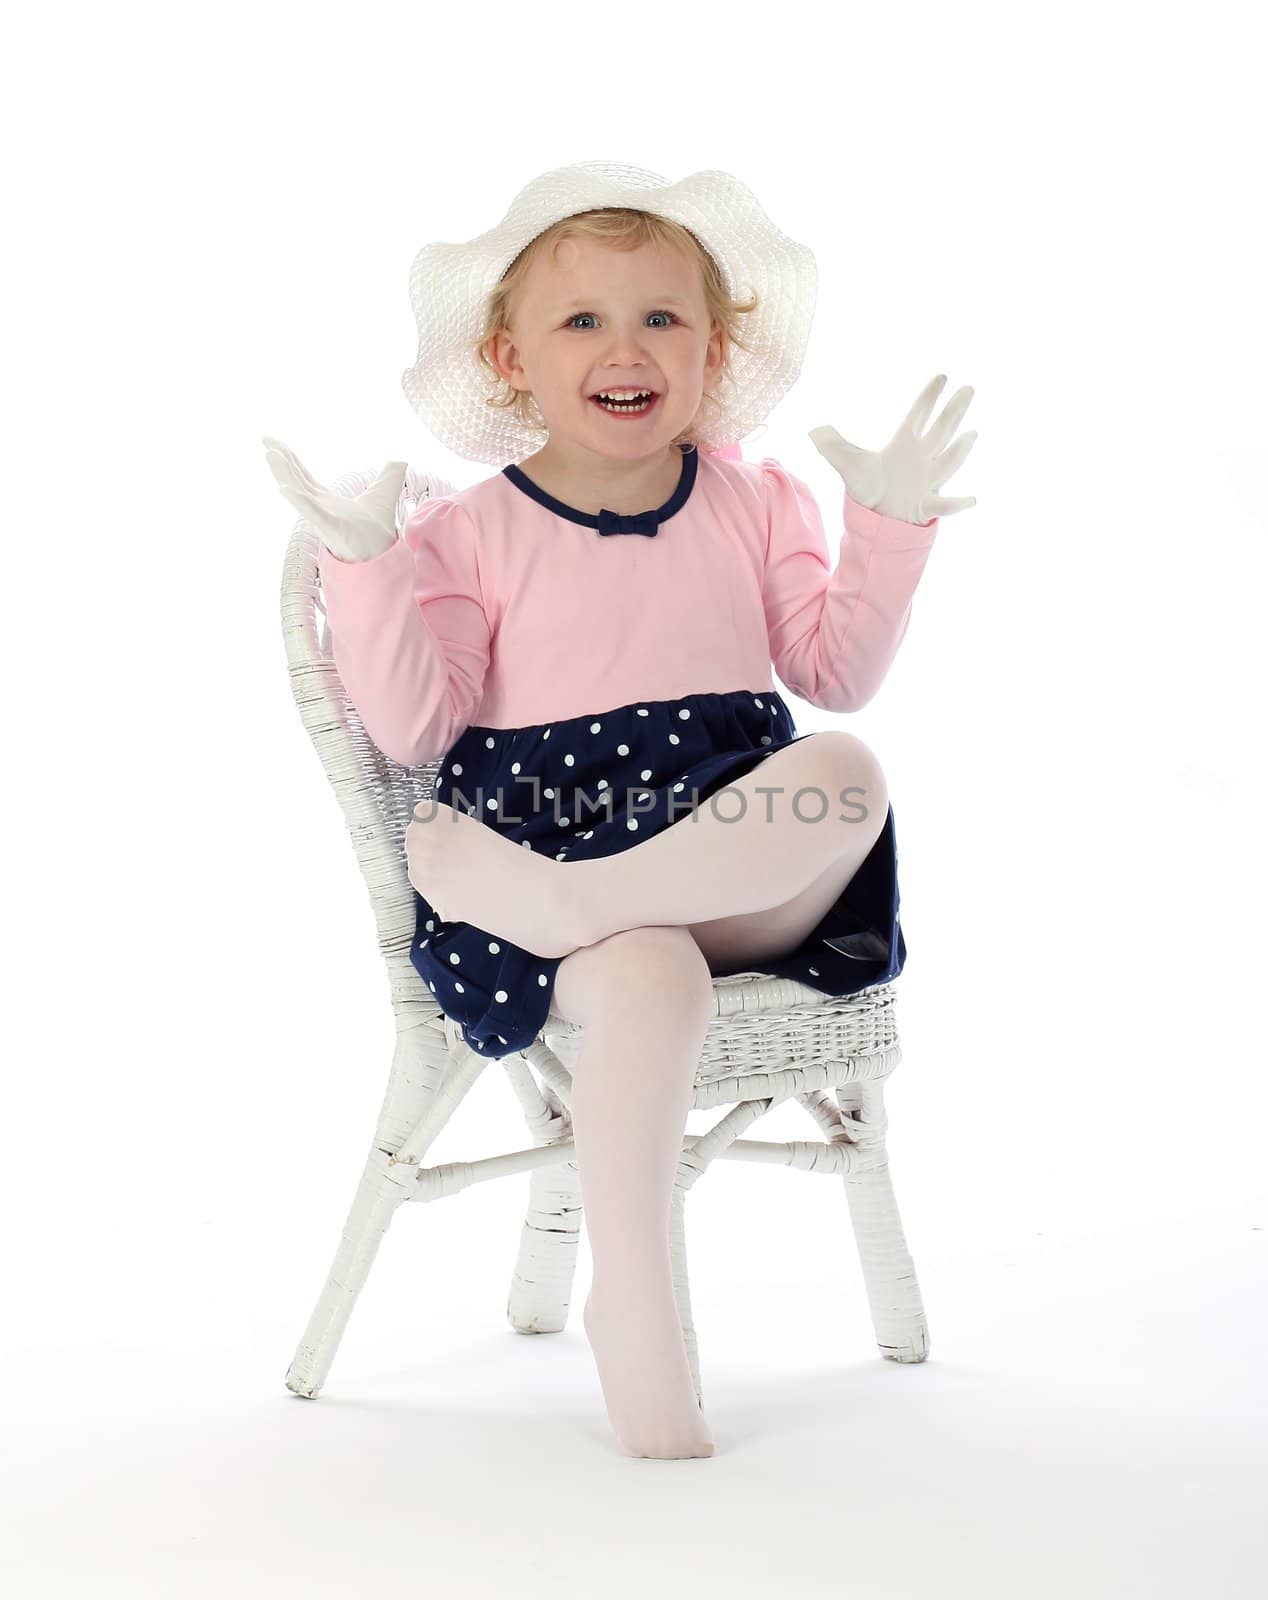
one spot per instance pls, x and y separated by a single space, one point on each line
623 394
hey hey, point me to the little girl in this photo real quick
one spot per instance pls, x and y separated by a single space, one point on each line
584 642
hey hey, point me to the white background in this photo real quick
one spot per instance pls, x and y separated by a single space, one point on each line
212 214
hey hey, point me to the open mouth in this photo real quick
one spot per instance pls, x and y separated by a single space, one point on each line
636 406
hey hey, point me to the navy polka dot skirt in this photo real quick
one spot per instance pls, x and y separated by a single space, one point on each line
596 785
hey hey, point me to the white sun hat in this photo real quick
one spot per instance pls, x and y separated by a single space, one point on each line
450 285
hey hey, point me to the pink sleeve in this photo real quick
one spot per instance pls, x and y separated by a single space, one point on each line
410 635
833 635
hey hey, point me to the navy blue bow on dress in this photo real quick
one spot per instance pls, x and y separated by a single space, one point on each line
641 522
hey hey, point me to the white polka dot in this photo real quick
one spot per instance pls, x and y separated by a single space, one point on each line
457 769
595 726
645 774
422 944
564 821
603 783
431 986
541 978
546 735
515 766
494 947
430 924
549 793
526 844
632 823
570 761
772 711
757 702
458 989
501 1040
766 738
643 713
488 743
674 739
492 805
455 959
500 997
677 788
684 713
622 749
814 972
589 835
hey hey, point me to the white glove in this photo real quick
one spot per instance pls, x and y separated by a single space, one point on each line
899 480
352 530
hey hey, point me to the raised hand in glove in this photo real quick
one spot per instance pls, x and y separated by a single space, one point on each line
351 529
900 480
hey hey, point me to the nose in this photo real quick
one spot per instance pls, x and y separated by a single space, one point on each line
625 350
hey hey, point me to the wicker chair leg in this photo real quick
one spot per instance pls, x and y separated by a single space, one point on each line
378 1194
428 1082
889 1274
541 1287
682 1287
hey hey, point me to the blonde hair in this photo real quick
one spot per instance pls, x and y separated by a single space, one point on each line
622 228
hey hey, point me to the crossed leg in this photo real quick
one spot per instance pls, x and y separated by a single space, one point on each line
632 1090
761 880
773 862
753 937
634 1080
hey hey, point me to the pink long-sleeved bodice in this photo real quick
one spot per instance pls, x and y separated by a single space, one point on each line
495 609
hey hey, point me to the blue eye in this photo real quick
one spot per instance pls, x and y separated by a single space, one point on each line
577 314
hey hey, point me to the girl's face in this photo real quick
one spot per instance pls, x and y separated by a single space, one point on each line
597 318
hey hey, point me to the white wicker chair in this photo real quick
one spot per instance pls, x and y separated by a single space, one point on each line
770 1040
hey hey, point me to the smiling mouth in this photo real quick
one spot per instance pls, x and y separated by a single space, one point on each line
626 408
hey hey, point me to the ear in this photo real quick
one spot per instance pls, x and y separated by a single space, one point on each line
500 348
715 355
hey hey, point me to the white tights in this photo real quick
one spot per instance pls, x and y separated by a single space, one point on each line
771 881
